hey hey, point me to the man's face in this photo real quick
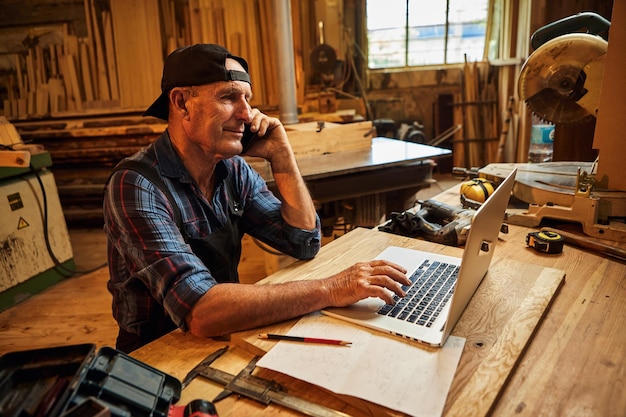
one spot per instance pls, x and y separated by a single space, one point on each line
217 113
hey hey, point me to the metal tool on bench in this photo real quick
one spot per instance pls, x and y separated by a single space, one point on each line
545 241
434 221
561 80
253 387
561 83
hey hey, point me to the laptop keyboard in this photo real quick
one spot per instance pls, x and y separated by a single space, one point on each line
432 286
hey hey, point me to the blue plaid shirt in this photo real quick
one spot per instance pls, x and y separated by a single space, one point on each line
151 266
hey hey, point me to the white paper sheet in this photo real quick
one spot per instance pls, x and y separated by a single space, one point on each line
379 368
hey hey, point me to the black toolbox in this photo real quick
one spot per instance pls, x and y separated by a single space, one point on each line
75 380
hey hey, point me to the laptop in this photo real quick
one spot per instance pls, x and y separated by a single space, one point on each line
430 316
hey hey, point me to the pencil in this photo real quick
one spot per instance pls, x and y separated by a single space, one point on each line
303 339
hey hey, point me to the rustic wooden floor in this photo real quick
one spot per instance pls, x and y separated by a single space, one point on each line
78 309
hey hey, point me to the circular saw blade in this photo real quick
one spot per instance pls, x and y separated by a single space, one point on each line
561 80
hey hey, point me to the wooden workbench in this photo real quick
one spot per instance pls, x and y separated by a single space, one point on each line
537 343
386 165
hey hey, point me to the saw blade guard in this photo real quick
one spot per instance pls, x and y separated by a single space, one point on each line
562 79
591 22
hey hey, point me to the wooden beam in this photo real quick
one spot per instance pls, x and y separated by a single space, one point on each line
15 159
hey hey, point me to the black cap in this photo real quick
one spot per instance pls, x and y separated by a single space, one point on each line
195 65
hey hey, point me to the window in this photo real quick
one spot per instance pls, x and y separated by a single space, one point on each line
406 33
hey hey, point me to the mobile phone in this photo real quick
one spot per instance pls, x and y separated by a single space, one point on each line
248 137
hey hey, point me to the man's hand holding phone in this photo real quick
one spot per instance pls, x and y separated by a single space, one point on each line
248 137
265 137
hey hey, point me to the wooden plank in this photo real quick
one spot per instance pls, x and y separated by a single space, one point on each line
15 159
253 53
70 44
21 82
109 46
212 22
31 101
42 98
57 95
71 78
137 39
85 70
8 134
30 72
267 66
22 107
306 141
104 91
39 66
485 383
168 24
54 65
70 98
459 155
186 29
89 7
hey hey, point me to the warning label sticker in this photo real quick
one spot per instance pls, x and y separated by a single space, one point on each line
22 223
15 201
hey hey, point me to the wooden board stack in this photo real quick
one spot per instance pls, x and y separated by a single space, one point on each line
476 110
117 65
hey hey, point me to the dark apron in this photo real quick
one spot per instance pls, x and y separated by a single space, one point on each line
220 252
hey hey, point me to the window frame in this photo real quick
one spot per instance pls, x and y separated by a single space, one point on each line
407 41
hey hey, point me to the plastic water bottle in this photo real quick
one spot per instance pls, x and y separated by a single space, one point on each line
541 141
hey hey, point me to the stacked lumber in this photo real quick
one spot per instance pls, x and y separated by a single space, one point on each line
59 72
84 151
476 109
117 65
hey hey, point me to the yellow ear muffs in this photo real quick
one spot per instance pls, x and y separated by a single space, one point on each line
477 189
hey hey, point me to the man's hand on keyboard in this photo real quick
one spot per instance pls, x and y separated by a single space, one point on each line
376 278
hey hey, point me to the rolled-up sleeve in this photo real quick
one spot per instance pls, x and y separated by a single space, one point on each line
263 219
148 255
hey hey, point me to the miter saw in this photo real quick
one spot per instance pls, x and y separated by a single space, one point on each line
562 78
561 82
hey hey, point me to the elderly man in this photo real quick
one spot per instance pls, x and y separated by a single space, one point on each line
176 211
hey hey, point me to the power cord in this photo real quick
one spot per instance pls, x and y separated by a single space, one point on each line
62 269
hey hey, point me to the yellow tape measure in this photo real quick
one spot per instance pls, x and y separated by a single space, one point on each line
544 241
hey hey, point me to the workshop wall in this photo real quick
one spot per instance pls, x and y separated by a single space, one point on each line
423 96
428 95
